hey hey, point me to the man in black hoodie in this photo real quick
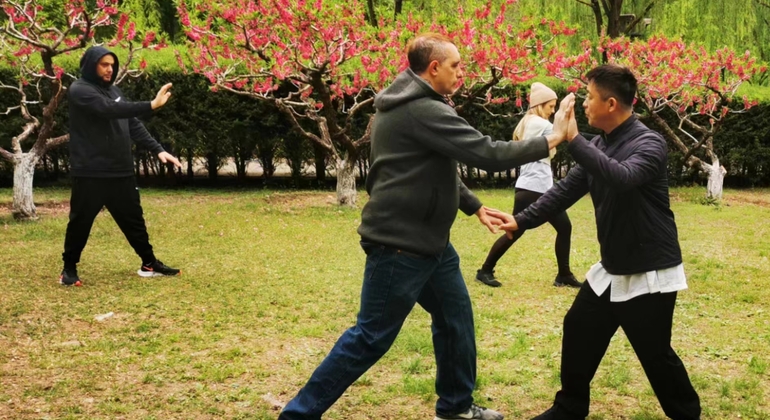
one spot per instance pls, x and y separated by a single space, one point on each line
415 192
635 284
103 125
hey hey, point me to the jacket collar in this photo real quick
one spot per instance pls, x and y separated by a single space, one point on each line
621 132
428 88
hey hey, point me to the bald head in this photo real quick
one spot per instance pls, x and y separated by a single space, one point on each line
425 48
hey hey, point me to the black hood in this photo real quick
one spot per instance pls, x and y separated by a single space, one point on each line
88 65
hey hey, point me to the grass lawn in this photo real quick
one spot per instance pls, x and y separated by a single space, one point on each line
270 281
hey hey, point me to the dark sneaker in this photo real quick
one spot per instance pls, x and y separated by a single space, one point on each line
157 269
475 412
569 280
488 278
69 277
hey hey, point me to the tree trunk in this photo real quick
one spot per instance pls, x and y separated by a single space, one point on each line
613 18
716 173
346 182
23 175
145 166
371 13
56 169
320 163
212 165
397 8
190 157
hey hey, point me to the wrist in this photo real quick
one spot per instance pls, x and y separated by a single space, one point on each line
154 104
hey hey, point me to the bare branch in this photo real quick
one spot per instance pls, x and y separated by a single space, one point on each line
249 47
287 110
357 107
722 98
10 157
11 108
669 133
694 126
56 141
29 128
367 136
473 93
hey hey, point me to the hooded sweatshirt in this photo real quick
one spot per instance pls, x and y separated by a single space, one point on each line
103 123
416 141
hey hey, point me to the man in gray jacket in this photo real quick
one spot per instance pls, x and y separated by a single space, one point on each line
414 189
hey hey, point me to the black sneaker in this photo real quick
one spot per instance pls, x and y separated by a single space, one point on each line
488 278
69 277
475 412
157 269
569 280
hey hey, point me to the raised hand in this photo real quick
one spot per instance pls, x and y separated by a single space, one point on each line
563 116
162 97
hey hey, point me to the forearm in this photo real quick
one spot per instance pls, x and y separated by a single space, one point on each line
556 200
143 138
636 169
469 203
554 139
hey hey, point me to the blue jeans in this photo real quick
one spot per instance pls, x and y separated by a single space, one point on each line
394 281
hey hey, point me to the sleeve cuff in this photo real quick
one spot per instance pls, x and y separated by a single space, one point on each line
521 221
472 206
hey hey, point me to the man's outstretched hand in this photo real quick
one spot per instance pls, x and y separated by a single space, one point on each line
502 220
485 215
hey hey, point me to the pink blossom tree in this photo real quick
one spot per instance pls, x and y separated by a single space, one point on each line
321 61
697 86
31 44
316 62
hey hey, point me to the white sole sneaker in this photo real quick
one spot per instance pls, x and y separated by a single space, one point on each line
143 273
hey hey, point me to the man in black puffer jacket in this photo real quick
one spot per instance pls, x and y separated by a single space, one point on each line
103 125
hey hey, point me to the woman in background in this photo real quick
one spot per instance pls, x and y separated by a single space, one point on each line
534 180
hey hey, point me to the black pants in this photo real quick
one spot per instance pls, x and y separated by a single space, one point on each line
560 222
588 327
121 197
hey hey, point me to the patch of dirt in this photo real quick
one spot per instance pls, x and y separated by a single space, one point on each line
761 199
48 208
301 200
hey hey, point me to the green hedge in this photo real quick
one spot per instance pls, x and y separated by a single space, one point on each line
215 126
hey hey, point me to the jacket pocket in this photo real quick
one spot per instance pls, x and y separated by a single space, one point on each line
432 203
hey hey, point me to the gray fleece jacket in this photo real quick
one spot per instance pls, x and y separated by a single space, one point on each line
416 141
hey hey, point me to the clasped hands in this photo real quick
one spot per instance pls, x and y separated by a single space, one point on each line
564 122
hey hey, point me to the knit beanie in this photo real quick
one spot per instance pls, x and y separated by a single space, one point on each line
540 94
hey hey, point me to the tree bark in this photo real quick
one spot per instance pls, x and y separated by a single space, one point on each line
716 180
190 158
371 13
612 8
320 162
346 182
23 175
